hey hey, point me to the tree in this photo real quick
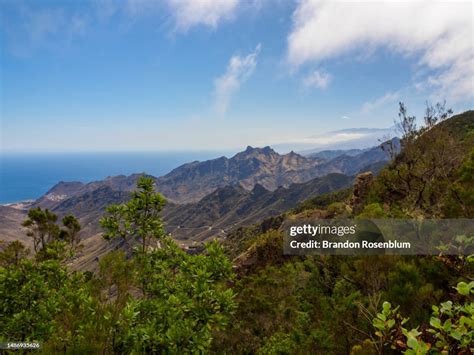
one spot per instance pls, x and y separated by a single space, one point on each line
71 232
112 286
41 225
185 297
435 114
406 125
139 219
459 201
43 301
28 299
418 178
49 240
186 300
13 253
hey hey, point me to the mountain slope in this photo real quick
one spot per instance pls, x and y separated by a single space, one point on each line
10 225
245 244
90 206
326 155
263 166
63 191
233 206
251 176
352 164
460 125
191 182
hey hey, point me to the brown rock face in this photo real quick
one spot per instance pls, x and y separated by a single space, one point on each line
362 187
191 182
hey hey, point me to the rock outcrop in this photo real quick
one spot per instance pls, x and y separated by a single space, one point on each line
362 186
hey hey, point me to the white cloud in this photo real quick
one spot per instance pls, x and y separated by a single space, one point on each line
189 13
341 139
317 79
333 138
439 34
238 71
345 117
388 98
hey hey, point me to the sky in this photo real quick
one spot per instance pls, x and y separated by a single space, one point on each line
136 75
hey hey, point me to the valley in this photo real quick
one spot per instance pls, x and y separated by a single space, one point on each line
204 199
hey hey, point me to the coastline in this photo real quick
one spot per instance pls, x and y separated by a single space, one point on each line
19 205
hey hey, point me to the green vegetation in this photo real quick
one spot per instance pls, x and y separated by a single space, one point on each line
450 329
420 178
156 298
42 227
330 304
137 220
323 201
159 300
49 240
336 297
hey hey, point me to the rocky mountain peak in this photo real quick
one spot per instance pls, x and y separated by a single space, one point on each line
250 152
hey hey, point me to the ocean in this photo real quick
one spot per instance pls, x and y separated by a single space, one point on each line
27 176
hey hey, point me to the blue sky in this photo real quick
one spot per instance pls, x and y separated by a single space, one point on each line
224 74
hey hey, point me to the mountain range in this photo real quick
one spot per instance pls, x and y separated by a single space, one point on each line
208 198
232 206
191 182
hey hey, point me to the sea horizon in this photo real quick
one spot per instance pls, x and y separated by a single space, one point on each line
27 176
